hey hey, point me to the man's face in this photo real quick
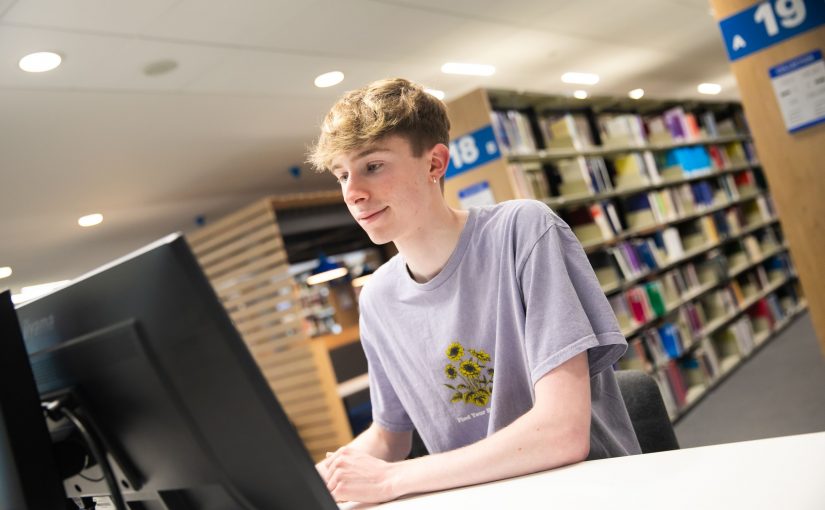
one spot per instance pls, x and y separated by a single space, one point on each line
385 187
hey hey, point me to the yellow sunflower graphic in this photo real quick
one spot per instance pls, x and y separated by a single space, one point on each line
451 372
481 355
469 369
473 378
479 398
455 351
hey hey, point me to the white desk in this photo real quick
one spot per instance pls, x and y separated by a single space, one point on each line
778 473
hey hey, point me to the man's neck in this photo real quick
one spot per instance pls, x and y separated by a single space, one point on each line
427 250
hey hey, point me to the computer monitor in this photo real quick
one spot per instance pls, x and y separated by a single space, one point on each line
29 478
189 422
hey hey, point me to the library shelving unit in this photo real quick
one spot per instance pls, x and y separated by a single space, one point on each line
672 209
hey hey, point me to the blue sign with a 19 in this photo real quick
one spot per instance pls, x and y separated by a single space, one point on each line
768 23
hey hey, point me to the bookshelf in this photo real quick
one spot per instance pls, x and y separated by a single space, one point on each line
672 208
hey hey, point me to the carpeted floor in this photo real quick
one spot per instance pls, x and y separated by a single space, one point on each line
778 392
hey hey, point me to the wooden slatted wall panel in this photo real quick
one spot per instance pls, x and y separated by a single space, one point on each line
244 257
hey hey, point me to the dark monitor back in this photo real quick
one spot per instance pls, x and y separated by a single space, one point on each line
189 420
29 478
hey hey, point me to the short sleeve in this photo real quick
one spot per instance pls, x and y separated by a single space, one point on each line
387 409
566 310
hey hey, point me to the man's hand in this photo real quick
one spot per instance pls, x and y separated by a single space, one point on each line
352 475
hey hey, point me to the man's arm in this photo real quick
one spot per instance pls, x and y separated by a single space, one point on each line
377 442
383 444
555 432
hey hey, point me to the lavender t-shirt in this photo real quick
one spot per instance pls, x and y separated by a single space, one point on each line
457 357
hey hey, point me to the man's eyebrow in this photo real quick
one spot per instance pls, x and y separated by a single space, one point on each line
364 153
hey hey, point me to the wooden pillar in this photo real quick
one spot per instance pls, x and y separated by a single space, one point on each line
244 257
793 163
468 114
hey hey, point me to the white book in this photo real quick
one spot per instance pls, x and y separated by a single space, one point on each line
671 213
600 217
624 266
652 169
752 247
613 216
764 207
637 128
574 179
673 243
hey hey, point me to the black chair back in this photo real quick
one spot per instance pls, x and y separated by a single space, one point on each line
647 411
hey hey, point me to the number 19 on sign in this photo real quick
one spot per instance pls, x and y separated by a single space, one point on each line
791 14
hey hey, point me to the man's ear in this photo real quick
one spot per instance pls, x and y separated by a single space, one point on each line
439 161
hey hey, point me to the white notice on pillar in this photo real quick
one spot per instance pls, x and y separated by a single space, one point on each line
799 85
476 195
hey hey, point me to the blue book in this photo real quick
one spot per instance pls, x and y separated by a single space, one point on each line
721 222
636 203
646 254
671 340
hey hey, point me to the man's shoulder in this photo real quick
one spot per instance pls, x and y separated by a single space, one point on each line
522 215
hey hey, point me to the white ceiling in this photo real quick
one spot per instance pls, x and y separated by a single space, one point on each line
222 129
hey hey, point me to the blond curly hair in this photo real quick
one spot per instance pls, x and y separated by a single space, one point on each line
383 108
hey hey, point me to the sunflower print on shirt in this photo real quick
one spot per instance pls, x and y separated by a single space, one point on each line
471 379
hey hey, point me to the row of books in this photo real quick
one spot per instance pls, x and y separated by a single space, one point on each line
631 261
682 376
592 175
574 130
645 302
603 221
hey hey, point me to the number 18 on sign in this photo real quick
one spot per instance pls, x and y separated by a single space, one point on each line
472 150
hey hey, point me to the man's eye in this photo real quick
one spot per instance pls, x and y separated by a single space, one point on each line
342 178
372 167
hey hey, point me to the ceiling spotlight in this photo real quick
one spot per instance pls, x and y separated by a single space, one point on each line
437 93
329 79
580 78
636 93
5 272
40 62
468 69
709 88
90 220
580 94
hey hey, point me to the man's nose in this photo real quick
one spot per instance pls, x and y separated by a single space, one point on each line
355 190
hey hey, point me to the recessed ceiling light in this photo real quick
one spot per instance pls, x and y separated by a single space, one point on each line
40 62
90 220
329 79
636 93
468 69
580 78
709 88
437 93
5 272
580 94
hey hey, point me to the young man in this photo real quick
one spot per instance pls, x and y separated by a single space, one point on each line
488 333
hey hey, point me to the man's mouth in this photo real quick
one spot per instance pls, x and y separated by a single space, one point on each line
371 215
